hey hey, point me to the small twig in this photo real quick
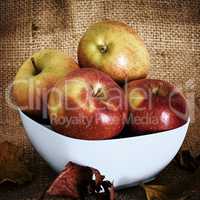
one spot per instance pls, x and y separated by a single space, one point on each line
35 66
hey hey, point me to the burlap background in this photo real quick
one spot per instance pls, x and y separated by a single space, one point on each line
171 30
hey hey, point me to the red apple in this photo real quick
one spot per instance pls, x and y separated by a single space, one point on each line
155 106
87 104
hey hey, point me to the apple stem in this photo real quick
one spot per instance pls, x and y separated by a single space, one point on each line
102 48
156 91
98 93
34 65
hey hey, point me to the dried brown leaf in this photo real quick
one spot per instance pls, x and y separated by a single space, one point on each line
184 186
76 181
109 191
186 161
72 181
190 186
11 165
98 177
110 195
158 192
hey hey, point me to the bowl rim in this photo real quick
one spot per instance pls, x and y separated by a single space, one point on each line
103 140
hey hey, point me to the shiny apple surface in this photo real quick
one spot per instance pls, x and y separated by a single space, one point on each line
116 49
87 104
36 77
155 105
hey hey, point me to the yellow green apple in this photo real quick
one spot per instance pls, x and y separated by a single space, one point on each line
116 49
35 78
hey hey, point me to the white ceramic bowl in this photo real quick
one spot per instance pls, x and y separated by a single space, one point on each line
126 161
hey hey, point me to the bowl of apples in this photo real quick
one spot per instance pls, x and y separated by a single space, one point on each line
104 114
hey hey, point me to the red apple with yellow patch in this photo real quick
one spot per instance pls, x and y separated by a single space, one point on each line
155 106
87 104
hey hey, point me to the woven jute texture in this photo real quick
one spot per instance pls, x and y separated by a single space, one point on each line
171 31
